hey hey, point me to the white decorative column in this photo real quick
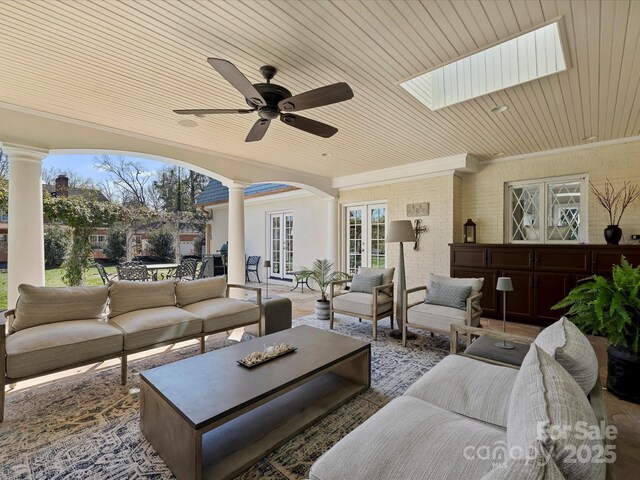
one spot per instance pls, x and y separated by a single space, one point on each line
236 261
26 230
333 231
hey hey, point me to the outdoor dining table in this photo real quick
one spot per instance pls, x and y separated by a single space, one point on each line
154 268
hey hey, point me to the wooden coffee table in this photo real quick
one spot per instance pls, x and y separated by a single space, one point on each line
208 417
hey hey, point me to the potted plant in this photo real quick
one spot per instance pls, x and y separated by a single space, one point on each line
611 307
615 202
323 274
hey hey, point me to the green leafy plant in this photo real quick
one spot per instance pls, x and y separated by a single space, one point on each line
610 307
162 243
116 246
57 241
323 274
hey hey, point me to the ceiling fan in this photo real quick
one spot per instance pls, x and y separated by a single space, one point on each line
272 101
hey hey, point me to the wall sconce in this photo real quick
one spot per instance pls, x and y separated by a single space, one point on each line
419 229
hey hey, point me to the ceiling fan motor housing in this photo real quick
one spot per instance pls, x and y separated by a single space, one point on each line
272 95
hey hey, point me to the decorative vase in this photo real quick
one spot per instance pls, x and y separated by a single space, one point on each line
624 371
322 309
613 234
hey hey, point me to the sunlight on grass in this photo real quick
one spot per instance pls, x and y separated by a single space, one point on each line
52 278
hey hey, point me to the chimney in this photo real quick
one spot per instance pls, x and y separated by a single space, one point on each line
62 186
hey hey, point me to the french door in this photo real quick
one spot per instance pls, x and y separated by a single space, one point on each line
366 230
281 244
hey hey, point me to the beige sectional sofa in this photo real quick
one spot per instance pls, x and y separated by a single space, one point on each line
468 419
53 329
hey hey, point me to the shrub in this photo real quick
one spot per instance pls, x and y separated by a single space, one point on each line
198 244
57 241
162 243
115 248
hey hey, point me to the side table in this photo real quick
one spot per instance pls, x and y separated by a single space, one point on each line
276 315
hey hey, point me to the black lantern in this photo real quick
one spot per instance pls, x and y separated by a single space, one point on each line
469 230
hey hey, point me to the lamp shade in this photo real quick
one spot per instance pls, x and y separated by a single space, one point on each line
400 231
504 284
267 264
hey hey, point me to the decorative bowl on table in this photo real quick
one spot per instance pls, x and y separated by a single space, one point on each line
269 353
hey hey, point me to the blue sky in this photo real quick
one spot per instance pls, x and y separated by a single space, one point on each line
84 165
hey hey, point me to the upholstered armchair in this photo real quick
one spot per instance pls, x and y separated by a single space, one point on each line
447 301
370 296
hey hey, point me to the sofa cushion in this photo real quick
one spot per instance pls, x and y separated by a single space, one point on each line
57 345
357 303
128 296
199 290
469 387
43 305
571 348
387 276
545 394
435 317
221 314
410 439
536 468
149 326
365 283
453 296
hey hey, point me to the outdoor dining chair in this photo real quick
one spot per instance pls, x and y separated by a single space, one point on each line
185 271
252 267
104 276
133 272
203 268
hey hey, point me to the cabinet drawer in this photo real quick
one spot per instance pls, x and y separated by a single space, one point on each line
563 260
511 258
604 259
469 257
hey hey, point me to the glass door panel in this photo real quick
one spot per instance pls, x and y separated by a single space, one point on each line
281 244
366 230
377 225
276 246
288 245
355 243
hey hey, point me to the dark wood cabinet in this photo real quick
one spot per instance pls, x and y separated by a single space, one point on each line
542 275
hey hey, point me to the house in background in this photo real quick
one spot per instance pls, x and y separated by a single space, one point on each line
283 223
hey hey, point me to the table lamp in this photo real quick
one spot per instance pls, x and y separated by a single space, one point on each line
400 231
504 285
267 265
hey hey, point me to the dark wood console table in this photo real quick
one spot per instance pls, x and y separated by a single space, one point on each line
542 275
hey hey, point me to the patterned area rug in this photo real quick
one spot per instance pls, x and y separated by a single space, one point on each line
86 426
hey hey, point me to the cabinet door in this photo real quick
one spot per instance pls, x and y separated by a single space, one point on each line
510 258
605 258
489 299
568 260
520 300
549 289
469 257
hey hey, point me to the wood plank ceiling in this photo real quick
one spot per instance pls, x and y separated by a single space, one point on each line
127 64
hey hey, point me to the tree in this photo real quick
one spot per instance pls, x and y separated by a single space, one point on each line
177 191
57 241
130 179
116 245
50 174
161 243
4 165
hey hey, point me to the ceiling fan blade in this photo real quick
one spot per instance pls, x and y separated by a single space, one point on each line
308 125
338 92
258 130
210 111
235 77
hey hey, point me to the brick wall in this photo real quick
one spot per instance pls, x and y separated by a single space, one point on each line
483 193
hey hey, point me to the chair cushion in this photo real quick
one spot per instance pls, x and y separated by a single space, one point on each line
43 305
469 387
220 314
199 290
453 296
545 394
474 283
410 439
571 348
149 326
128 296
387 276
365 283
57 345
435 317
357 303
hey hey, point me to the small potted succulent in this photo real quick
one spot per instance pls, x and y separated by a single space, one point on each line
611 307
615 202
322 274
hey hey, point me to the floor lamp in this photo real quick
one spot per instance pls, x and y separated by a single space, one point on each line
504 285
400 231
267 265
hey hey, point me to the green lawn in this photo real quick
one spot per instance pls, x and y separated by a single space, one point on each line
52 278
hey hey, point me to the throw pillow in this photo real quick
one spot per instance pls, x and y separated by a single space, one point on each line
571 348
365 283
127 296
448 295
199 290
387 276
43 305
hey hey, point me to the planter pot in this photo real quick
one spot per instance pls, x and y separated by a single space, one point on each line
322 310
624 372
613 234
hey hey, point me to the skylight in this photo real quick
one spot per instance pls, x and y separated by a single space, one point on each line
529 56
